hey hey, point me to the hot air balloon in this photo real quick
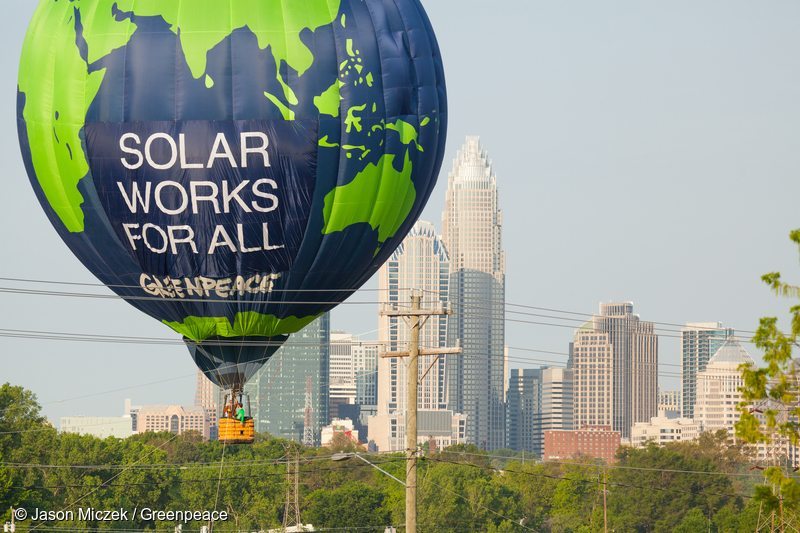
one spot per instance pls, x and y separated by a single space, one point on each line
233 169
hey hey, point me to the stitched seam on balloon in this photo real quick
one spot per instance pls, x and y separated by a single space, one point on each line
380 67
411 214
178 48
432 46
385 113
339 169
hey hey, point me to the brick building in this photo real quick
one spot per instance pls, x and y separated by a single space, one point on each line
597 442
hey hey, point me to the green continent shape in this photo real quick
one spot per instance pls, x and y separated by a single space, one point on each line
203 24
287 113
328 102
58 91
102 32
379 195
325 143
246 324
352 120
407 132
56 82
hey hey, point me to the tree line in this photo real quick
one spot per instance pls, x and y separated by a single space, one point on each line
705 485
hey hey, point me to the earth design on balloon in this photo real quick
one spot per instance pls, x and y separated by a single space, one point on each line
233 169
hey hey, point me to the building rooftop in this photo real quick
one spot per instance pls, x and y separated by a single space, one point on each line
731 353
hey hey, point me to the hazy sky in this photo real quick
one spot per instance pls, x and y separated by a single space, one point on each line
645 151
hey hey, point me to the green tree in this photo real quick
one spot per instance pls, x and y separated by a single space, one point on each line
735 519
25 437
354 504
575 499
457 497
694 522
667 477
506 526
343 443
535 483
775 390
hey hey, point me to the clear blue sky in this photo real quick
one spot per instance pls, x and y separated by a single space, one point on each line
645 151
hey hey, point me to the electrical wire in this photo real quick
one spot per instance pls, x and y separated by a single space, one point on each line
219 480
120 286
378 290
36 292
481 506
111 339
564 478
608 466
180 481
189 466
379 458
115 476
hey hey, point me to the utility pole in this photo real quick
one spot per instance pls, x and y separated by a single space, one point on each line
416 318
605 505
11 527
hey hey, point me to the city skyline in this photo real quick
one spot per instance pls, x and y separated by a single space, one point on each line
597 128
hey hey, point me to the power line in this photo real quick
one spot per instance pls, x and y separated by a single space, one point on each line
279 302
694 326
377 290
156 466
36 292
384 458
600 330
79 337
534 350
82 337
115 476
180 481
517 522
591 315
122 339
609 466
564 478
121 286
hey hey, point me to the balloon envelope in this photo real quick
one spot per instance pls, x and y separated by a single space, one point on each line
234 169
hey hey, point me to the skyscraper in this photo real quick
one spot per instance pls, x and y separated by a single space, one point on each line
719 398
421 263
278 391
524 407
718 388
353 372
472 232
592 359
340 375
353 380
699 341
615 358
207 396
539 400
365 372
557 409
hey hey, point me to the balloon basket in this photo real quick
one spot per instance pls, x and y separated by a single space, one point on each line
232 431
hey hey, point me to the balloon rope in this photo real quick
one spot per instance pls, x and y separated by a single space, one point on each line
219 482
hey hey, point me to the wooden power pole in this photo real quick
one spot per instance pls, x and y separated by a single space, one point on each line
605 504
416 318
